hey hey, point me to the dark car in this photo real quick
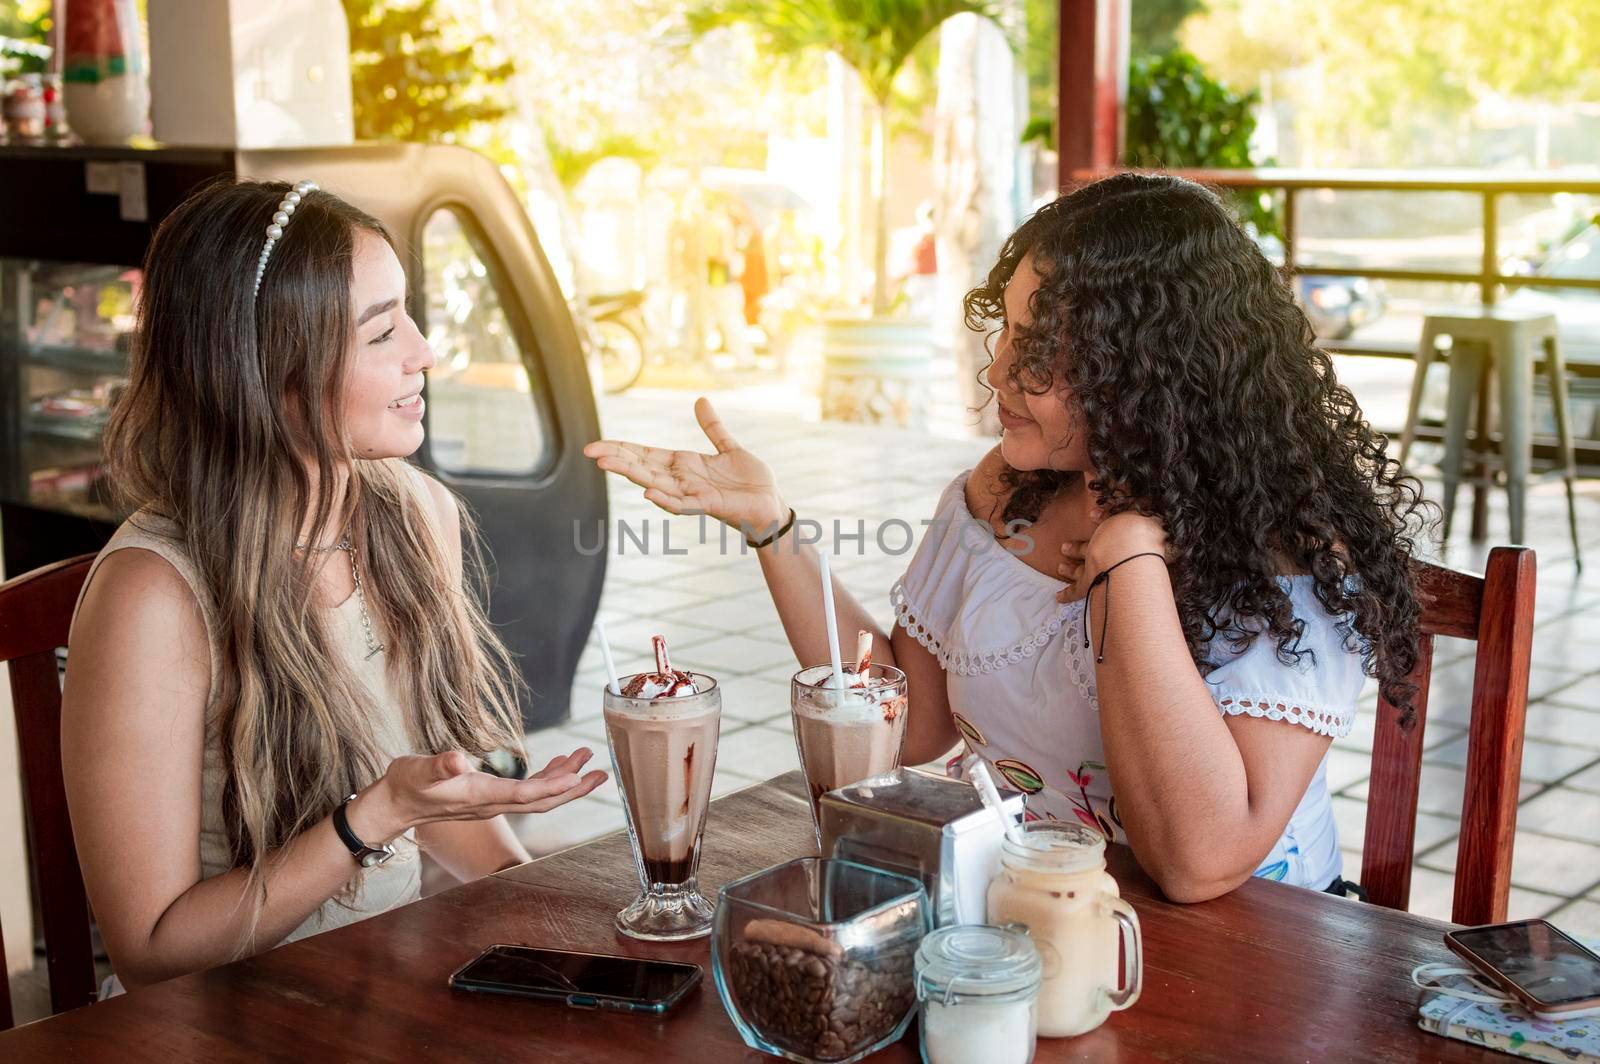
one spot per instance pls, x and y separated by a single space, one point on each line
1338 306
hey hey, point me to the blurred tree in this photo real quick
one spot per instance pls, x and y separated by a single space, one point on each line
25 27
1386 75
1153 28
628 75
1531 48
600 78
875 38
1154 24
417 75
1179 116
1042 19
571 163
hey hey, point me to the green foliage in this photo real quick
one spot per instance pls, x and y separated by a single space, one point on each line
1387 80
1153 28
1042 19
415 77
874 37
570 163
1154 24
916 91
1179 117
24 37
1041 128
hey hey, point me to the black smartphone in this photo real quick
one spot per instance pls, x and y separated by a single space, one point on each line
581 980
1551 973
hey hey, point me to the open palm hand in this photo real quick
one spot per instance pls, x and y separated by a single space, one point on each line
732 485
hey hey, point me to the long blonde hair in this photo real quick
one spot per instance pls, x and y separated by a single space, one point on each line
228 408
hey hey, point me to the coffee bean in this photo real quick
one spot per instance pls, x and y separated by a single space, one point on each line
816 1003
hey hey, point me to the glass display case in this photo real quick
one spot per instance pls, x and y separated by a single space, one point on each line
65 343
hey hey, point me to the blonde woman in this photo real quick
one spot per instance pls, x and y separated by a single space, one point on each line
279 686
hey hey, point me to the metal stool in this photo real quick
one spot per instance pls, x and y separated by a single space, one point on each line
1494 348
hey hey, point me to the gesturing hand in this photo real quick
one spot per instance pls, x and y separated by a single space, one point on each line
423 789
732 485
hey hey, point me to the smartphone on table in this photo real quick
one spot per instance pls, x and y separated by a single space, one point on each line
580 980
1550 973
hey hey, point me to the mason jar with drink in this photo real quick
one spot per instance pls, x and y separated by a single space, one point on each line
1053 880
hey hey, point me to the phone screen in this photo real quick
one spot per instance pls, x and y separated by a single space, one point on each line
1547 965
559 974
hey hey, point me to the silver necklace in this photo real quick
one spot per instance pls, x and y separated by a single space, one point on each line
374 648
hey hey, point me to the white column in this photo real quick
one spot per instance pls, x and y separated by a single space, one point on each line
977 125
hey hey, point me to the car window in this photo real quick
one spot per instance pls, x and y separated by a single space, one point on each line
485 414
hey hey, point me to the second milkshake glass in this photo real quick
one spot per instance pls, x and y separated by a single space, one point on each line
845 735
664 752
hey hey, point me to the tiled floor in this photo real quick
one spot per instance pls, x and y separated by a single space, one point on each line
713 607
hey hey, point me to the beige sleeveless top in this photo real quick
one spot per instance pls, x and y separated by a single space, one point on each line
395 882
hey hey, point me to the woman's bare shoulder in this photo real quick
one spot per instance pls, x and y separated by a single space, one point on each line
441 499
137 584
139 630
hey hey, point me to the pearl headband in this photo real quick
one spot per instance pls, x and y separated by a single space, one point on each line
280 218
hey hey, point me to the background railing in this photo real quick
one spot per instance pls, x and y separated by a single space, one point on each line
1489 277
1487 282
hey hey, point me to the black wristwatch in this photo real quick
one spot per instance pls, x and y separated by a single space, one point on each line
366 856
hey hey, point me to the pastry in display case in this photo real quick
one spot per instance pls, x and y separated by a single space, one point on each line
68 326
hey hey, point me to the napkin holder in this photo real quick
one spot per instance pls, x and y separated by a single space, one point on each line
925 825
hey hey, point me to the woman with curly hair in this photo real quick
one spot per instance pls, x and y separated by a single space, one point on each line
1190 546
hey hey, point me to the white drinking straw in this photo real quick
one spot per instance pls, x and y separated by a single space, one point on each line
833 623
605 652
991 798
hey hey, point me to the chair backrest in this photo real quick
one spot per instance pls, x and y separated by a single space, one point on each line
35 615
1496 610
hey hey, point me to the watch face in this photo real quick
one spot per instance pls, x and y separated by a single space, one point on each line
370 858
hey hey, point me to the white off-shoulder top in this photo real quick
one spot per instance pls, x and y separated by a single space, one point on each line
1022 686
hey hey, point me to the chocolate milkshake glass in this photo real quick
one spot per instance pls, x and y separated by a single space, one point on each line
846 735
664 751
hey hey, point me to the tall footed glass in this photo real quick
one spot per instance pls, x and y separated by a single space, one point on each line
664 751
846 735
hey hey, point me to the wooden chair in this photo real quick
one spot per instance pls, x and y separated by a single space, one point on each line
1496 610
35 614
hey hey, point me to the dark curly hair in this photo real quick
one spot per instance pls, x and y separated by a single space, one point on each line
1208 406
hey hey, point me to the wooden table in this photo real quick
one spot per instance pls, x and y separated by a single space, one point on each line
1268 973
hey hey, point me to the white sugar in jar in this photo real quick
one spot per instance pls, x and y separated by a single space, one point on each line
979 989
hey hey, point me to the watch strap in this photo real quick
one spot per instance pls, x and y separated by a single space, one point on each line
365 854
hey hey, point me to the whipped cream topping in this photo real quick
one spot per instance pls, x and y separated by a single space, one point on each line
665 682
